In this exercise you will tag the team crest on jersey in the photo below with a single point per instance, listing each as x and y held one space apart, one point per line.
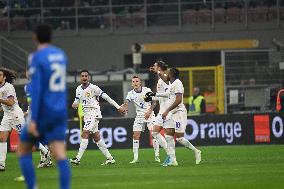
87 94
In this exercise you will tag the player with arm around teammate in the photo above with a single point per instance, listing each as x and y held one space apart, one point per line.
137 95
178 113
88 94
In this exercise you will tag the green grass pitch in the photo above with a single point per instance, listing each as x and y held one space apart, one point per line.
228 167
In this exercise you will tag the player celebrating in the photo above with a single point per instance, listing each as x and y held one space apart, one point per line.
89 94
176 108
160 69
48 116
136 95
13 115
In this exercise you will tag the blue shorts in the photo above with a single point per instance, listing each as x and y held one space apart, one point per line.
48 133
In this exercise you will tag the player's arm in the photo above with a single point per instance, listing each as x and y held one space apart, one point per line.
177 101
9 101
76 100
150 110
112 102
36 95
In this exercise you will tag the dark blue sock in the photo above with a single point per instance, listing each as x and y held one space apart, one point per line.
28 171
64 173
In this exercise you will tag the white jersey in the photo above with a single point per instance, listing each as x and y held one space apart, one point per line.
14 111
89 97
162 87
176 88
138 99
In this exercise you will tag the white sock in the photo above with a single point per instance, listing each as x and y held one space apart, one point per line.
3 152
171 147
103 148
83 147
135 149
156 147
42 148
161 140
186 143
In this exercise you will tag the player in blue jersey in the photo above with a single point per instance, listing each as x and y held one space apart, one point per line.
48 116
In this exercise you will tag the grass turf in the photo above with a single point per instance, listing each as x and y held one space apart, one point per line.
230 167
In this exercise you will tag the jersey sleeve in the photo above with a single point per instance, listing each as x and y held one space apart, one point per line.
97 91
178 88
78 96
36 84
11 92
128 97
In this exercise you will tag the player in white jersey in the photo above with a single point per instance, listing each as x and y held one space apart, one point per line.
13 115
89 94
178 112
137 95
160 69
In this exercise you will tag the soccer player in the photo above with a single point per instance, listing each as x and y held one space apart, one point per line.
137 95
89 94
160 68
48 115
13 115
178 112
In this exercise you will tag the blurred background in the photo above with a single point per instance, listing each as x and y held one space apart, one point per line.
233 50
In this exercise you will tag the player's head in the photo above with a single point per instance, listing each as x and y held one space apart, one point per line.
42 34
84 76
160 66
173 73
7 75
136 82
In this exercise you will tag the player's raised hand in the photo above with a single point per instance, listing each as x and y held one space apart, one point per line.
75 105
32 129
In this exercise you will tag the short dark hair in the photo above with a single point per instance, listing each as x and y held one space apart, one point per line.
43 33
135 76
9 74
174 72
84 71
162 65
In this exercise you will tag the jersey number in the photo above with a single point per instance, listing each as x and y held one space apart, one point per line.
58 79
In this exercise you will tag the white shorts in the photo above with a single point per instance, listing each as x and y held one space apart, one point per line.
91 124
140 124
166 124
7 124
180 121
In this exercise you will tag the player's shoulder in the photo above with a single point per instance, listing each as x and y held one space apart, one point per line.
8 86
177 82
146 89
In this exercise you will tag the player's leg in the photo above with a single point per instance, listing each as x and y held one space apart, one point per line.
158 123
88 127
45 156
169 135
3 149
82 148
155 143
180 119
103 148
183 141
25 159
136 138
58 149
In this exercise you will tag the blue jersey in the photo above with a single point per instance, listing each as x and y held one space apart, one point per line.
48 86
